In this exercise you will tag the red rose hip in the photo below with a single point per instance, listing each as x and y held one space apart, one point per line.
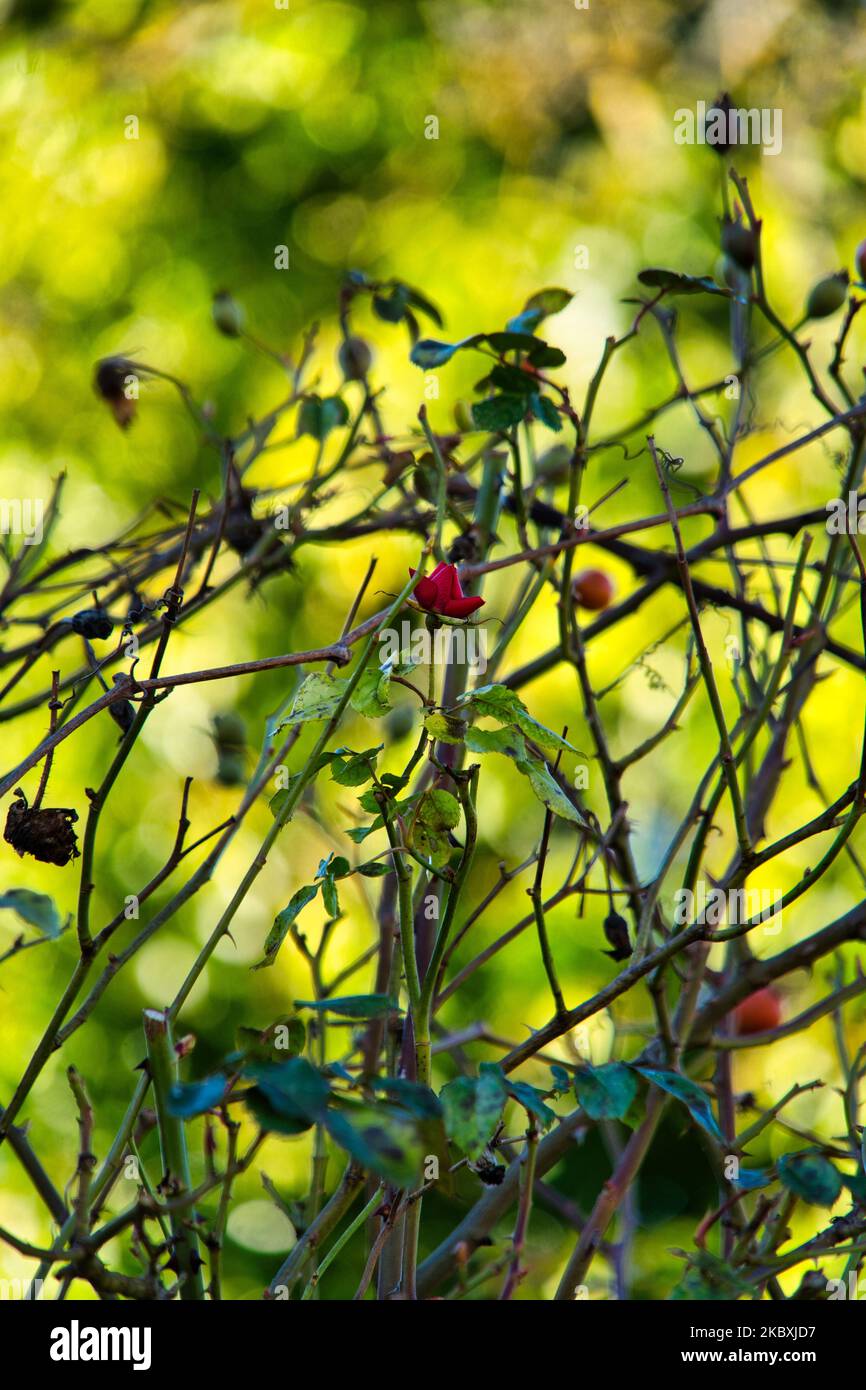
761 1012
592 589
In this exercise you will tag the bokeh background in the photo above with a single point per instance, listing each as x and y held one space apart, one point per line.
155 152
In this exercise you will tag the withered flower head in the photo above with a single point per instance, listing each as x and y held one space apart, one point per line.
92 623
228 316
116 381
47 834
616 932
718 117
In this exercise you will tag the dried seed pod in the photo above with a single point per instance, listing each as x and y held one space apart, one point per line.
123 712
616 933
488 1170
242 529
46 834
92 622
424 480
738 242
116 381
227 314
553 466
812 1287
355 358
717 125
827 295
229 734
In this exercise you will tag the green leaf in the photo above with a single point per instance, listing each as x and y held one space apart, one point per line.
335 866
379 1138
546 356
271 1119
359 833
752 1178
525 321
509 742
282 1039
317 698
606 1092
318 417
328 871
195 1097
472 1108
549 793
350 769
417 1099
391 307
420 301
426 1110
279 799
439 809
513 380
512 341
549 301
532 1101
437 812
445 728
499 412
674 283
288 1097
360 1006
810 1175
561 1079
370 696
545 411
540 306
283 921
504 705
36 909
330 896
690 1094
429 353
374 868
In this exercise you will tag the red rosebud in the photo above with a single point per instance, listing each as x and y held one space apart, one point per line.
440 592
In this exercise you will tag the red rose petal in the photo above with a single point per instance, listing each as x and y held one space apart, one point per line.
462 607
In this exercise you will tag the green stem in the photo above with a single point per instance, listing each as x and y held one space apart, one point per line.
162 1065
342 1240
